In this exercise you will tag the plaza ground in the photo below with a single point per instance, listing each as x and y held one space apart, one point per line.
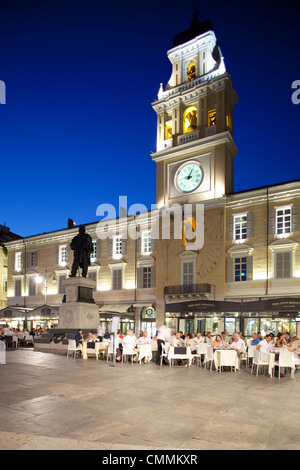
49 402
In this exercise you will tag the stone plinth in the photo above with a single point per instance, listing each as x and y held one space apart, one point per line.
79 309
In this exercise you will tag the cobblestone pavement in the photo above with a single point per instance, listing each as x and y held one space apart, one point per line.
50 402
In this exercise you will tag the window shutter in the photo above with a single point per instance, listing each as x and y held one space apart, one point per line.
139 278
67 253
153 241
295 218
22 260
98 248
57 255
124 246
111 244
230 228
272 222
230 269
249 268
249 225
139 244
18 286
153 276
28 260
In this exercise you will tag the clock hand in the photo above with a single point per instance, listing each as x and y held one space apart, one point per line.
190 175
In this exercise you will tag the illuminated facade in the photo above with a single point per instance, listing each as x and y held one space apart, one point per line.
246 276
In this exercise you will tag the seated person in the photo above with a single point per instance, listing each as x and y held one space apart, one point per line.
198 338
190 342
217 343
130 339
280 341
208 338
178 341
91 337
78 336
237 343
119 340
287 338
255 339
266 344
225 337
145 339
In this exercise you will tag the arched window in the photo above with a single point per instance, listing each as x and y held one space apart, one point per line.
190 120
191 71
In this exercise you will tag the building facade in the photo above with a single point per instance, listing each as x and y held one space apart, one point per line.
207 258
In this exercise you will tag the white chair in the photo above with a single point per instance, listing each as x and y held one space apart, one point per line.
202 351
128 350
164 352
209 357
250 354
111 350
92 351
28 339
72 348
257 361
2 352
286 361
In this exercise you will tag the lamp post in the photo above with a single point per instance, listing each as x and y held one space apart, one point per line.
45 277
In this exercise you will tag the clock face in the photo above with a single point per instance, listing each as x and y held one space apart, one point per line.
189 177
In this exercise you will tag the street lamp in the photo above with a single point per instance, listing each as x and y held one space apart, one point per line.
45 277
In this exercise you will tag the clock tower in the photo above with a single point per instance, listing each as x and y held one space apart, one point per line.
195 147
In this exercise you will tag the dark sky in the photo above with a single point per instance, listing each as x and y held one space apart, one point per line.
78 126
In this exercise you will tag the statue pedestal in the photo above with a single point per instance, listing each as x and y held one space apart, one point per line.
79 309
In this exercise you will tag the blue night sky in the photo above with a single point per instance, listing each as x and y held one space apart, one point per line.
78 126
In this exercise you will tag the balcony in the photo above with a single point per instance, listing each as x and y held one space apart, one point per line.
191 290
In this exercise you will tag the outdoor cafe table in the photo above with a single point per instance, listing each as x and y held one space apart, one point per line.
271 357
144 351
226 357
172 355
100 346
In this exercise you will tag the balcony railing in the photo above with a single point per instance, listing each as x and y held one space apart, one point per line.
188 289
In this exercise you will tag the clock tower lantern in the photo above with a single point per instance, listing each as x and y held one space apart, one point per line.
195 147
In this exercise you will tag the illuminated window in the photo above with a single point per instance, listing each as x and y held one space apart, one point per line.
240 227
191 71
212 117
18 261
117 247
146 242
190 120
94 252
168 132
62 256
283 220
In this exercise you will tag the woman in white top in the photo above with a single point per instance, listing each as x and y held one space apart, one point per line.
190 342
217 343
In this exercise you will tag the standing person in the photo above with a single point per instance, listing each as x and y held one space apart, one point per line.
163 335
101 331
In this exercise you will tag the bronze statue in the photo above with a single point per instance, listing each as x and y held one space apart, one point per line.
82 245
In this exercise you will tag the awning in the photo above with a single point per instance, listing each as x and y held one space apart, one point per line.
115 308
45 311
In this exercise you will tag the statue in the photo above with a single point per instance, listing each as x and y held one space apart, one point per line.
82 245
